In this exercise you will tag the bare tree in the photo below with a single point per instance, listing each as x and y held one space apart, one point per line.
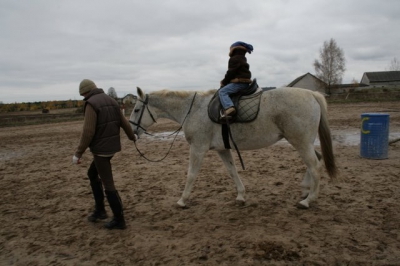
112 93
394 65
332 65
355 83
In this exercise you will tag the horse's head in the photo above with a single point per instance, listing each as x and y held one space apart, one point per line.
142 115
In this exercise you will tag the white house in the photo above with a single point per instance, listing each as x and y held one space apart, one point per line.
310 82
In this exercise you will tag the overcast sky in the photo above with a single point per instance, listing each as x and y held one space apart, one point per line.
47 47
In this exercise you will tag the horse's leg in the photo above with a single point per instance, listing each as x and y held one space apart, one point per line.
226 157
312 176
306 183
195 159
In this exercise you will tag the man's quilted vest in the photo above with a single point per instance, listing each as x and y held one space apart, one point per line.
106 140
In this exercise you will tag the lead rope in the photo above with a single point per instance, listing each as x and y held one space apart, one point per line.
176 131
159 160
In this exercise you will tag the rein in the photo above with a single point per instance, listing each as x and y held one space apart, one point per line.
145 105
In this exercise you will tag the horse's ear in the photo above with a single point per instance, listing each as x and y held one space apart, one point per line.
140 93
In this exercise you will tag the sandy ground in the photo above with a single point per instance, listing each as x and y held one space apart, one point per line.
45 201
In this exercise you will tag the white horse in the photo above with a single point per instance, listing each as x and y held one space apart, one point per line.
297 115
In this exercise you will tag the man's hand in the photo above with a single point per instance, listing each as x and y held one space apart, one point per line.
76 160
135 137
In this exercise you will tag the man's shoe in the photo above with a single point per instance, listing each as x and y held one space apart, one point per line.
97 215
116 224
118 221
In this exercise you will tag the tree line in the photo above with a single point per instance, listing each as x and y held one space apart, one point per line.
50 105
34 106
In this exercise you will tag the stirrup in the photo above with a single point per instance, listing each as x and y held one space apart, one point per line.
228 113
222 115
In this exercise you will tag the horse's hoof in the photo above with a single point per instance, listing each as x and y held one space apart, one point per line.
302 205
240 202
181 204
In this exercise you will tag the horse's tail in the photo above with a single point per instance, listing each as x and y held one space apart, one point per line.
325 137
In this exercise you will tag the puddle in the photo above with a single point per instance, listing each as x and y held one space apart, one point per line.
6 155
168 135
353 138
346 139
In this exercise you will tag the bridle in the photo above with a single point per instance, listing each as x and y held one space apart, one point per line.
145 106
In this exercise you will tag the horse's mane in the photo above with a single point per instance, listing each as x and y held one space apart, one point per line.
182 94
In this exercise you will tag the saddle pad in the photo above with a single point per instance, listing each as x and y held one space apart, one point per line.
247 108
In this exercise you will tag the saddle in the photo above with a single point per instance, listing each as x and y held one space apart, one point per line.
246 102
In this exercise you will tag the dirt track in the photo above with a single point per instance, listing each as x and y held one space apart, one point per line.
45 200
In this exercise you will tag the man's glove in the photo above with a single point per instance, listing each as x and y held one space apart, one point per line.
76 160
135 137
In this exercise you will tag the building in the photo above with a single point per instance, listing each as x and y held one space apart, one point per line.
310 82
382 78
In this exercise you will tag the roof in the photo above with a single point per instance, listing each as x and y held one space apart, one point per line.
291 84
383 76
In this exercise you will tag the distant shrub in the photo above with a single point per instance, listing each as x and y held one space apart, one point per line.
79 110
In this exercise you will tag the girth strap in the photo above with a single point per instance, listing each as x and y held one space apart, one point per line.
225 136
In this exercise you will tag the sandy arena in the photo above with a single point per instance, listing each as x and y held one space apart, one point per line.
45 201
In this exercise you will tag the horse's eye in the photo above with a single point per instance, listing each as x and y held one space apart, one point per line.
137 110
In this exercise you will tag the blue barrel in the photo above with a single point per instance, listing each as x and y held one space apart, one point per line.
374 136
